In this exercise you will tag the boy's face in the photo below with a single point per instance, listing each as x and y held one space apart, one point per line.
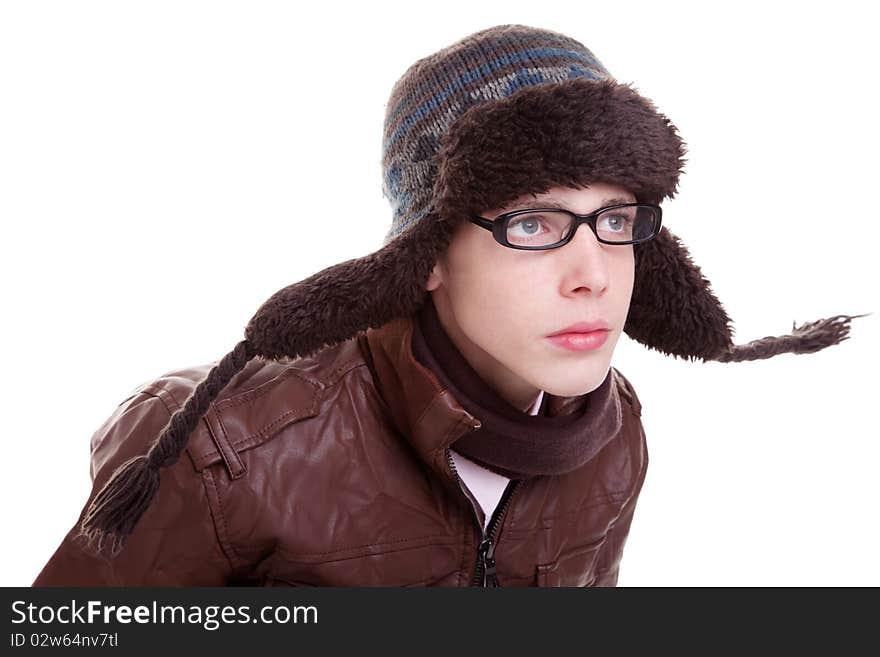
499 304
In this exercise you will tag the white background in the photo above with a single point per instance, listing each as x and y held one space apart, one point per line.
166 166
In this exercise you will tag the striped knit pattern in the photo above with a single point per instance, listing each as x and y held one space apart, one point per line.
436 90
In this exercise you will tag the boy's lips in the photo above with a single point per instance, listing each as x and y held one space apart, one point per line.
579 341
583 327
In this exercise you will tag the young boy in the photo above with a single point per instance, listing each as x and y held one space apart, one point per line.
443 411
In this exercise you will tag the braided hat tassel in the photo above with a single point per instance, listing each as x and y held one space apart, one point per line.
805 339
298 320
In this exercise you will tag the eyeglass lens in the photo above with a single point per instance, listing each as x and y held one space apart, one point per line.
549 227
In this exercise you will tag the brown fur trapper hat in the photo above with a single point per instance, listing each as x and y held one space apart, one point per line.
507 111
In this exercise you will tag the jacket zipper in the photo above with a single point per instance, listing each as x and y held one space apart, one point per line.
485 572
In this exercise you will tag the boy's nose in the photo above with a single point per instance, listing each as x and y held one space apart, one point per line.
585 261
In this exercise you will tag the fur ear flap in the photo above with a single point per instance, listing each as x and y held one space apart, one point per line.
343 299
673 308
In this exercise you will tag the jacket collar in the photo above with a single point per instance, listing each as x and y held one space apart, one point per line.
426 414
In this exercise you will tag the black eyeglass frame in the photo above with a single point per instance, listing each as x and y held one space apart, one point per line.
498 227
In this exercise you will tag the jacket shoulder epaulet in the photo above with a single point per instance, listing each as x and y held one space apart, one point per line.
627 391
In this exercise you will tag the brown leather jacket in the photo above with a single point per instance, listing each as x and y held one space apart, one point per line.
334 470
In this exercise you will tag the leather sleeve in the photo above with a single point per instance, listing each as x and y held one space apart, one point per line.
173 544
612 550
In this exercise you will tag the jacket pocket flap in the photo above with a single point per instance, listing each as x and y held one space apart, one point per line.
243 421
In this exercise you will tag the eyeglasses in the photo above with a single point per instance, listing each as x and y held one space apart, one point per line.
550 228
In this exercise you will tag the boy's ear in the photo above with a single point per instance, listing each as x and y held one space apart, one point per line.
435 278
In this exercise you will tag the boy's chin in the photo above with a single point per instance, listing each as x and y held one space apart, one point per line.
582 384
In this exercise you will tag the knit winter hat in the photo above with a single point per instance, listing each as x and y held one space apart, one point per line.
506 111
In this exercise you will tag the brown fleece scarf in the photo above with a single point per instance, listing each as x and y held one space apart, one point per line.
511 442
